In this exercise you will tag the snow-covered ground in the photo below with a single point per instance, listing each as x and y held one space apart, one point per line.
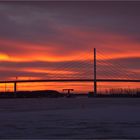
80 117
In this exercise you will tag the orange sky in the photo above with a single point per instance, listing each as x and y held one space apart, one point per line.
56 40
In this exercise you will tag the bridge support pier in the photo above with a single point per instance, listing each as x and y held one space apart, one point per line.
15 88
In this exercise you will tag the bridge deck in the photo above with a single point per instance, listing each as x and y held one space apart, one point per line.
70 80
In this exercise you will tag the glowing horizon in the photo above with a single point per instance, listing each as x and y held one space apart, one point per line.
56 39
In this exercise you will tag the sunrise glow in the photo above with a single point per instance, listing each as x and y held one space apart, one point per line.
48 42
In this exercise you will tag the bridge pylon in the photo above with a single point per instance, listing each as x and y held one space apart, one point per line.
95 73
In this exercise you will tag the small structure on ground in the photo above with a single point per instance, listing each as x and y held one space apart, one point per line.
68 92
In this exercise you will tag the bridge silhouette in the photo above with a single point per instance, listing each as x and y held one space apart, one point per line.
95 80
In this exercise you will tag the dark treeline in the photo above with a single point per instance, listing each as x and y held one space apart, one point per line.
123 91
120 92
32 94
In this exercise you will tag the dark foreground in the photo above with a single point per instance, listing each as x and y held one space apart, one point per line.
79 117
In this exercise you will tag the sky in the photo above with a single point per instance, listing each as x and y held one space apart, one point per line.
40 40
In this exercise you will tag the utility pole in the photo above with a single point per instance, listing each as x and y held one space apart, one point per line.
95 73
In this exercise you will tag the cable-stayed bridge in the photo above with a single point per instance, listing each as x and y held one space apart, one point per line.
98 68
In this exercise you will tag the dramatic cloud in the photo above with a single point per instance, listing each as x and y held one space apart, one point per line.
56 39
